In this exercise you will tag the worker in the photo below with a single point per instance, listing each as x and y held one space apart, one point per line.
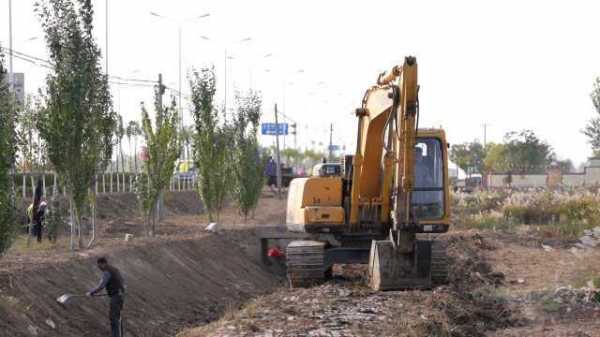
113 282
271 173
36 221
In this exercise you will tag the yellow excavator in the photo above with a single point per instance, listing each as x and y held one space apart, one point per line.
385 207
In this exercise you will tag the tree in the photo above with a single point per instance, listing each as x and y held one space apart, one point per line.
7 159
29 144
592 129
525 153
77 120
133 131
566 165
212 144
248 168
292 155
162 142
119 134
495 158
469 157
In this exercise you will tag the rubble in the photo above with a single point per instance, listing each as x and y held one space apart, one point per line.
589 239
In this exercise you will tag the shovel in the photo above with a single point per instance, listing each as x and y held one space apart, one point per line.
64 299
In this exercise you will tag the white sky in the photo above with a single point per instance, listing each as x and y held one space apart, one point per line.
511 64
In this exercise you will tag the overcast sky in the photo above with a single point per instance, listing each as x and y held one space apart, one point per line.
510 64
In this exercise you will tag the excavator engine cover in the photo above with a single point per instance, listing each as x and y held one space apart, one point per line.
391 269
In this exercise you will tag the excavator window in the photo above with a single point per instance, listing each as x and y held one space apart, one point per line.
428 194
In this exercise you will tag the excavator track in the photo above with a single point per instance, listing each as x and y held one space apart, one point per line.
305 263
439 263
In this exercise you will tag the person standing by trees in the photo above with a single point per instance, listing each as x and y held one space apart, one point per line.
271 173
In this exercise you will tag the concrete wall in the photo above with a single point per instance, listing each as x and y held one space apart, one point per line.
590 177
573 180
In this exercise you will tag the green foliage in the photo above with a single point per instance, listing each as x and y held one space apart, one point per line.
248 166
7 158
293 156
468 156
212 144
77 121
119 134
495 158
162 141
31 149
526 153
592 129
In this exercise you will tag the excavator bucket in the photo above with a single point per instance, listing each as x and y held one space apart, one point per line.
390 269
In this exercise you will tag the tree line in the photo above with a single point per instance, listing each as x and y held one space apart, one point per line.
521 152
73 129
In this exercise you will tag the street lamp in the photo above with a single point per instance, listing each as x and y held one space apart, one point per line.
179 24
10 47
227 57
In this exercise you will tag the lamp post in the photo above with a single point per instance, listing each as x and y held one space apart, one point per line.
179 24
10 48
225 58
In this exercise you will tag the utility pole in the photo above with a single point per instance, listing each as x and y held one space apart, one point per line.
331 142
10 49
485 125
225 91
180 108
278 155
107 40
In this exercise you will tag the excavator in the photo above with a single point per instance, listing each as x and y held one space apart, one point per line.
384 207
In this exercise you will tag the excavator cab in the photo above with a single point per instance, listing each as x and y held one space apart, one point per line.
430 194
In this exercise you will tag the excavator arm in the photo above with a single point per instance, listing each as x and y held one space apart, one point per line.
386 127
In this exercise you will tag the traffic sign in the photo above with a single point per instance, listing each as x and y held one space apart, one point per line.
334 147
272 129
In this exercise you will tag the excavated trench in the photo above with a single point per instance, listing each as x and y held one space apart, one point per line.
170 285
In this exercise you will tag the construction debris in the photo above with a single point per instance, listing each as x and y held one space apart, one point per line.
589 239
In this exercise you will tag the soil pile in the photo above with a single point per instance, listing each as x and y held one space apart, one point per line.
470 306
170 285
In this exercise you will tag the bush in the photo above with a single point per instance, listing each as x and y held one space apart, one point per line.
567 214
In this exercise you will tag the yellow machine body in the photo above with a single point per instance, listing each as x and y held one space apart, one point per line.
316 202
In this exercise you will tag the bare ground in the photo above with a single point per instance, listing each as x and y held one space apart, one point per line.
503 284
183 277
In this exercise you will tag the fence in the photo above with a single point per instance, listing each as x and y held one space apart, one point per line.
105 183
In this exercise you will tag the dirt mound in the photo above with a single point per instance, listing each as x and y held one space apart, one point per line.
470 307
170 285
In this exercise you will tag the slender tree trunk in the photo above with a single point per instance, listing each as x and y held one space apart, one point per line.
72 221
130 163
93 219
78 219
122 159
135 154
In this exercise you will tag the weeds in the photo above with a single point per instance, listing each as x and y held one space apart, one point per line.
565 214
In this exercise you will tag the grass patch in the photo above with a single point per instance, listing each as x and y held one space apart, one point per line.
20 245
550 306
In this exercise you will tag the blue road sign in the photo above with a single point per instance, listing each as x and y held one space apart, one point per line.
334 147
272 129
